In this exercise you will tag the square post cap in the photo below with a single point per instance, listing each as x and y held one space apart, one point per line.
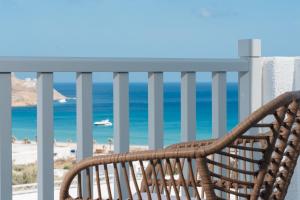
249 48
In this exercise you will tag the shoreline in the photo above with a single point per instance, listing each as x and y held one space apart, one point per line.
26 153
59 101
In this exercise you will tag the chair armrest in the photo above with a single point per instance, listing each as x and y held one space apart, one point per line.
160 162
192 144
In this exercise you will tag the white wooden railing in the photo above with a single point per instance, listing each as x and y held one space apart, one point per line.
248 67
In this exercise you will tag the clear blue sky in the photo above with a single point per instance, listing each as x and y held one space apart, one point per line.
140 28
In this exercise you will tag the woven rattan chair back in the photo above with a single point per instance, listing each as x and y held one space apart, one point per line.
255 160
260 161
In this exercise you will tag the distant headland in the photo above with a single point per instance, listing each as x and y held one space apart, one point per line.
24 92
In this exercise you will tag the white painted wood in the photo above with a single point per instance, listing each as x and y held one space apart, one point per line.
244 95
256 72
121 120
84 117
155 110
121 112
188 113
249 47
52 64
219 109
219 97
250 50
188 106
45 136
250 83
244 99
5 137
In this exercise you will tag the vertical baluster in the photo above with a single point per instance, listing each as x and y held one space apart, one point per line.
127 180
219 120
155 180
98 181
155 110
117 182
188 106
135 180
121 113
173 182
193 178
108 182
219 126
84 122
244 95
163 178
45 136
79 186
5 137
188 112
145 180
121 119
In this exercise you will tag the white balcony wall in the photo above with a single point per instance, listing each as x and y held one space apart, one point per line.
297 74
281 74
278 76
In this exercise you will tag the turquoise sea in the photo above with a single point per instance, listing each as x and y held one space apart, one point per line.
24 119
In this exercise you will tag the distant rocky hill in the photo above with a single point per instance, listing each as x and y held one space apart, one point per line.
24 92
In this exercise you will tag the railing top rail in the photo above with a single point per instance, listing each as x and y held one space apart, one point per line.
76 64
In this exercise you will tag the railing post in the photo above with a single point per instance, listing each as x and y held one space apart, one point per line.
45 136
84 117
5 137
250 82
121 121
155 110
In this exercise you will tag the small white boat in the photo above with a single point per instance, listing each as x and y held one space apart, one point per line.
104 122
62 101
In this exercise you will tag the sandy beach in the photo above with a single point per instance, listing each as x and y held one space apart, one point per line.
27 153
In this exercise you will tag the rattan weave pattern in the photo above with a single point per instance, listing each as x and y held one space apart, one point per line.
255 160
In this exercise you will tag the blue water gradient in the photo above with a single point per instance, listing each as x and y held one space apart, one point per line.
24 119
